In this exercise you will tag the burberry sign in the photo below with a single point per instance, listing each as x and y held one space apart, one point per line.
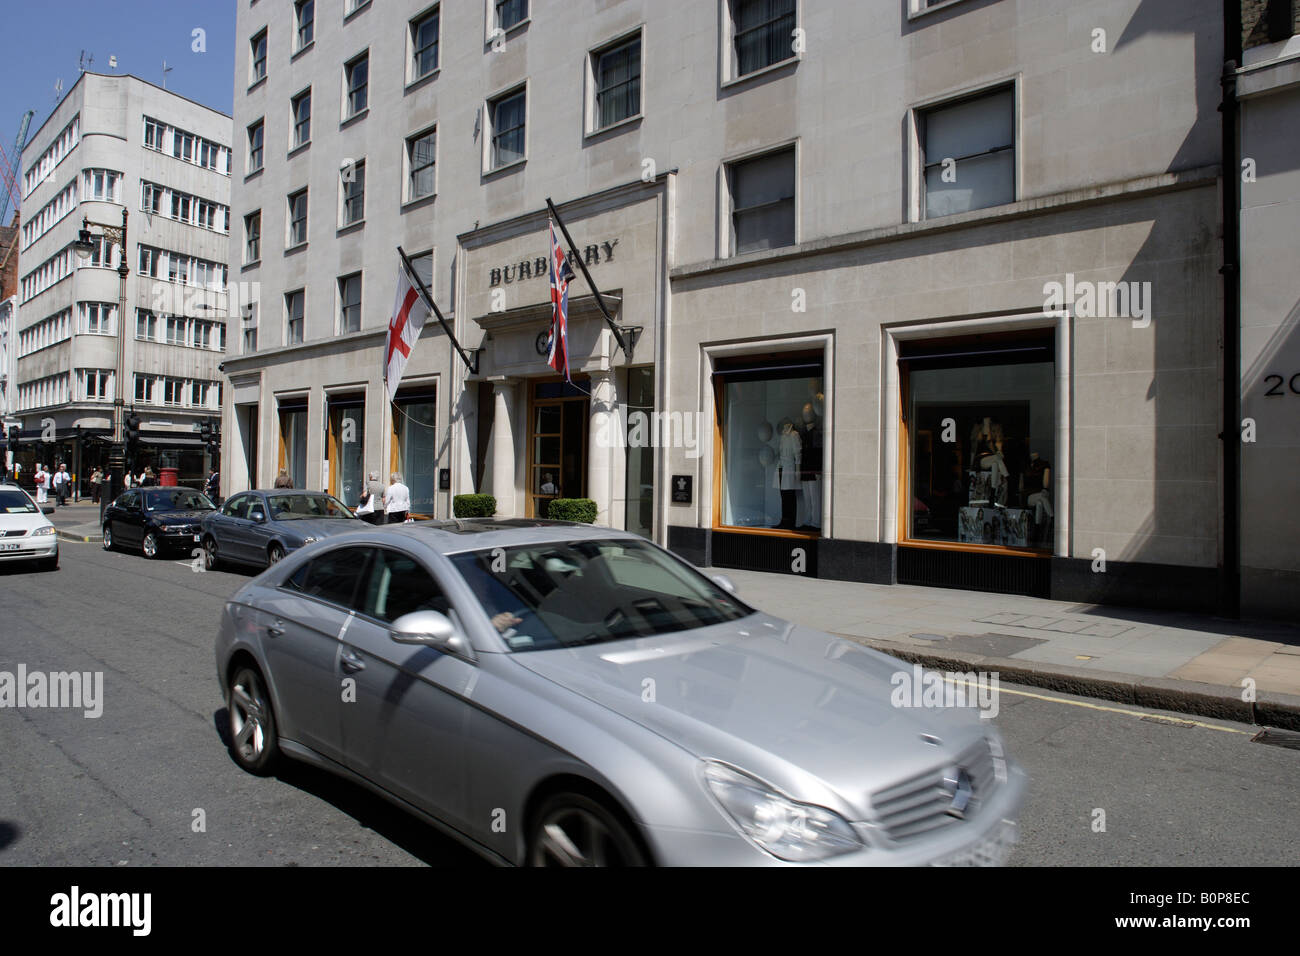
592 255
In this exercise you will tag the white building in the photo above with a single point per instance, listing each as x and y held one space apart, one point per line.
967 249
118 145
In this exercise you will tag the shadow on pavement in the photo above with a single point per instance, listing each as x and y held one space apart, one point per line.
369 810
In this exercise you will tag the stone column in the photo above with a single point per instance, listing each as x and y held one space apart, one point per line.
503 446
602 445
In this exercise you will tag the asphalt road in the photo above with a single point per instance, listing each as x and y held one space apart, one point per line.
123 789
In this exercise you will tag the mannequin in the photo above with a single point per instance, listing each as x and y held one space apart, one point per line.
986 455
789 452
810 472
1036 482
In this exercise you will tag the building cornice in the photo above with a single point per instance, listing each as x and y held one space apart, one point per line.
1141 187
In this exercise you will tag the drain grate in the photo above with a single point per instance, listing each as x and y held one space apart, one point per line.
1278 738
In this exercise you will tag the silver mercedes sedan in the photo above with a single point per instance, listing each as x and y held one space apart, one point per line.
555 694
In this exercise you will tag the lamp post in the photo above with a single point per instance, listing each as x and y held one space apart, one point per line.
83 247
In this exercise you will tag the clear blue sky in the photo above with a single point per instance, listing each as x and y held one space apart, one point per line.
43 40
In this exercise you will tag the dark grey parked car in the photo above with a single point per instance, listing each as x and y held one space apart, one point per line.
557 694
259 528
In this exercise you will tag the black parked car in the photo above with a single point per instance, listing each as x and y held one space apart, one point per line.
259 528
156 519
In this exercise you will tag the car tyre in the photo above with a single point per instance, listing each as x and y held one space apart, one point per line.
108 537
49 564
149 545
571 829
210 560
274 554
253 737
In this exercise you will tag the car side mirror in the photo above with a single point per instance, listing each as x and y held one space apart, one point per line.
257 515
432 629
724 582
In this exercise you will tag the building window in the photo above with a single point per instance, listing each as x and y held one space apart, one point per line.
969 154
301 107
617 72
199 394
770 412
97 318
305 16
253 236
153 133
357 79
255 134
350 303
415 446
640 471
144 388
177 330
103 253
294 303
146 325
763 33
420 150
173 391
989 479
293 441
250 339
424 44
207 335
762 202
151 197
353 182
102 185
257 68
510 13
298 218
98 384
507 117
346 447
148 262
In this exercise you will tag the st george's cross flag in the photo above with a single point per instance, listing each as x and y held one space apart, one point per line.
561 272
409 312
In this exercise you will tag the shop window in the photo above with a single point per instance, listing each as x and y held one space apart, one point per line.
415 448
979 424
347 442
293 442
771 410
640 453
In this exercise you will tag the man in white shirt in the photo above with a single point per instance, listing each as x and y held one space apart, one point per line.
397 500
62 482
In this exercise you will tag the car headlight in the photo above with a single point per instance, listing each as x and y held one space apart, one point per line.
40 531
789 830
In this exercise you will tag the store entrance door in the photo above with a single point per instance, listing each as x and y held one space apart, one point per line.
558 414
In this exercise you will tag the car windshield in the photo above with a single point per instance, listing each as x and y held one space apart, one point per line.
14 502
293 507
176 499
591 592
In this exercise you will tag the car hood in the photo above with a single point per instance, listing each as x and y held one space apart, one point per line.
796 707
23 522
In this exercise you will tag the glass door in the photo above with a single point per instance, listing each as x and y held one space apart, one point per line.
557 442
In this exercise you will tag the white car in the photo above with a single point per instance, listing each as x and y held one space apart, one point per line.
25 533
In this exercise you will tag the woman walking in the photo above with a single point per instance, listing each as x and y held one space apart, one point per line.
397 500
96 480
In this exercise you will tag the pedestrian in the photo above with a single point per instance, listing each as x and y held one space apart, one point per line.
62 484
147 479
42 481
397 500
96 481
213 487
372 499
282 480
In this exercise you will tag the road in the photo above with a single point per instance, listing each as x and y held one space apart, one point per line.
126 788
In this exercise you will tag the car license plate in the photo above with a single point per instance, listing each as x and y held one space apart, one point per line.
991 850
196 537
10 547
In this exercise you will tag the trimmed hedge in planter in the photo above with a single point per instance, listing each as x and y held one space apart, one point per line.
474 506
572 509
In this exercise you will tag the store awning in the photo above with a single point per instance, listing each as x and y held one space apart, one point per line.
172 441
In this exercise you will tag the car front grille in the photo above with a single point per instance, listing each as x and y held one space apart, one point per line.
13 534
182 529
920 804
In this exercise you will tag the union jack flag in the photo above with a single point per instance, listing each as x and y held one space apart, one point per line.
560 272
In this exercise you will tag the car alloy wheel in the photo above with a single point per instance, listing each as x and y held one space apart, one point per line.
149 545
253 741
573 830
108 538
274 554
210 559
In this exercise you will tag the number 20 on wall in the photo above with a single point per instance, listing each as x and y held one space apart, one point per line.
1277 380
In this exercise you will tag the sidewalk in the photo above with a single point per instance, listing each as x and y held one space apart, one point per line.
1158 659
79 522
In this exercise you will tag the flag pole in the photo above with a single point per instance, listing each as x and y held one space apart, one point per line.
618 336
428 299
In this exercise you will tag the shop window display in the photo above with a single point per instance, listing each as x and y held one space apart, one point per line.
773 444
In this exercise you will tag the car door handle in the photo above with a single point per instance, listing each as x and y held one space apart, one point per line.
351 663
276 629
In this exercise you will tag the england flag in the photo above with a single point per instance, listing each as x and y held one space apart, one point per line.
561 273
409 313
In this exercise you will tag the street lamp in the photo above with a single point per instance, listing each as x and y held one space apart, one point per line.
83 247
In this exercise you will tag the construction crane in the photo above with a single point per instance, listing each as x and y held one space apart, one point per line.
9 170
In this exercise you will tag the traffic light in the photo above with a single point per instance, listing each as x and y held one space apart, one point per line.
213 436
132 428
15 435
205 431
